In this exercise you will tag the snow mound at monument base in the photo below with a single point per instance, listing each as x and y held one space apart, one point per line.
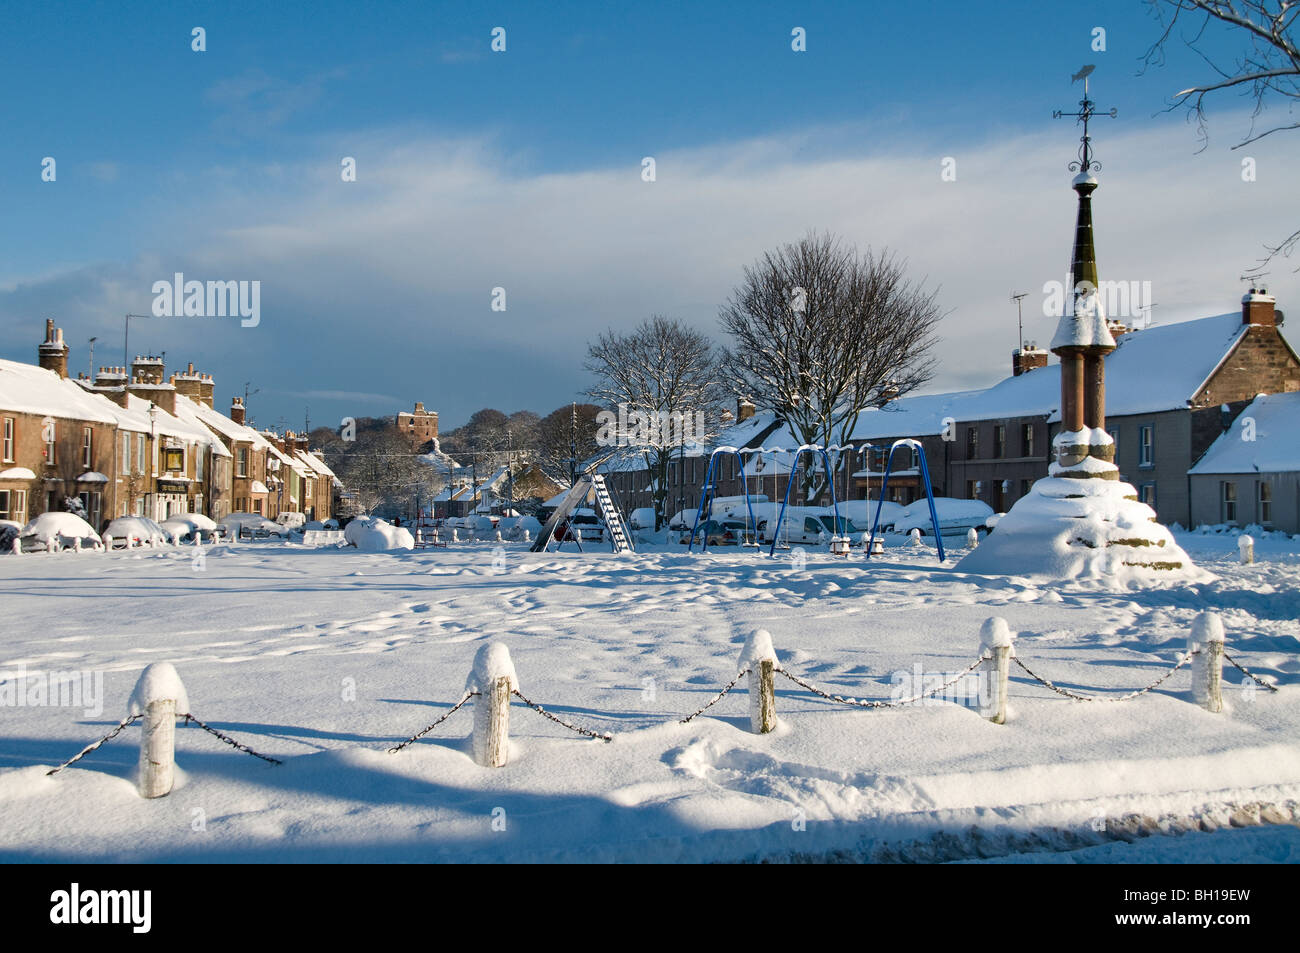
1068 528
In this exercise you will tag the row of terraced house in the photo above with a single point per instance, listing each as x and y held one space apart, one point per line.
131 441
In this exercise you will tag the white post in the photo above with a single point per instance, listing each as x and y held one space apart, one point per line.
499 536
528 537
455 537
915 537
996 641
76 544
18 546
158 696
972 538
1206 640
493 677
760 658
1246 548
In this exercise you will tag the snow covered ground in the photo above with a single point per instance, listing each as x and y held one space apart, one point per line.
325 658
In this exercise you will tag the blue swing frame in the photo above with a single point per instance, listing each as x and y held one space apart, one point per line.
929 493
830 481
704 497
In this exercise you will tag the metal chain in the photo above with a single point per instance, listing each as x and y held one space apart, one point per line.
717 698
880 703
89 748
1255 678
447 714
1103 698
190 719
604 736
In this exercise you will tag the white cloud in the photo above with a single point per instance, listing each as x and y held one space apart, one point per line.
394 273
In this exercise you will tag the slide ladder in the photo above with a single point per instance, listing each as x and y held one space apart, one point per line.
619 536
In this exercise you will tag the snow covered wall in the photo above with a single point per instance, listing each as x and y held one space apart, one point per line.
1067 528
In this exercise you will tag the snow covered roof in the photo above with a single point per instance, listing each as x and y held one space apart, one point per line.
1270 419
226 427
285 459
1150 370
314 462
188 411
29 389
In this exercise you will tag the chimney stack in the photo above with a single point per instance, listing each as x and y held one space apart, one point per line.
206 385
744 409
1258 307
237 409
189 383
53 352
1028 358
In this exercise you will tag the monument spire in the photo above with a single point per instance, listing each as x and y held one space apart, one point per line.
1082 338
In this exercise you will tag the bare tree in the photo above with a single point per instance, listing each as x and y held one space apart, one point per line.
1269 67
568 432
820 333
660 387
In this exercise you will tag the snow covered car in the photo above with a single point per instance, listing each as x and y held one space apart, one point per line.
372 535
291 519
643 517
714 533
9 531
251 524
186 527
955 516
127 532
802 524
55 531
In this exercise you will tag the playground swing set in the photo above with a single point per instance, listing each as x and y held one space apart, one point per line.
839 540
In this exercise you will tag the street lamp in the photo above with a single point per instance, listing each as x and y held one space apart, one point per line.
153 456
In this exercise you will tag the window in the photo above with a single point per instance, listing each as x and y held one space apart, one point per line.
1228 497
198 463
972 490
1027 440
87 448
1025 487
51 434
139 457
1264 502
1146 446
972 443
1000 440
124 465
1147 494
9 440
242 458
4 505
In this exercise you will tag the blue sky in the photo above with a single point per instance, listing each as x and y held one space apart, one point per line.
521 169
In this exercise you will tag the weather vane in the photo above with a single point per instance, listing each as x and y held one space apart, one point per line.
1086 111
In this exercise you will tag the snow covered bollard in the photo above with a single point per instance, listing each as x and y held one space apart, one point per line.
1206 644
915 537
158 696
1246 548
972 538
760 658
493 677
997 644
